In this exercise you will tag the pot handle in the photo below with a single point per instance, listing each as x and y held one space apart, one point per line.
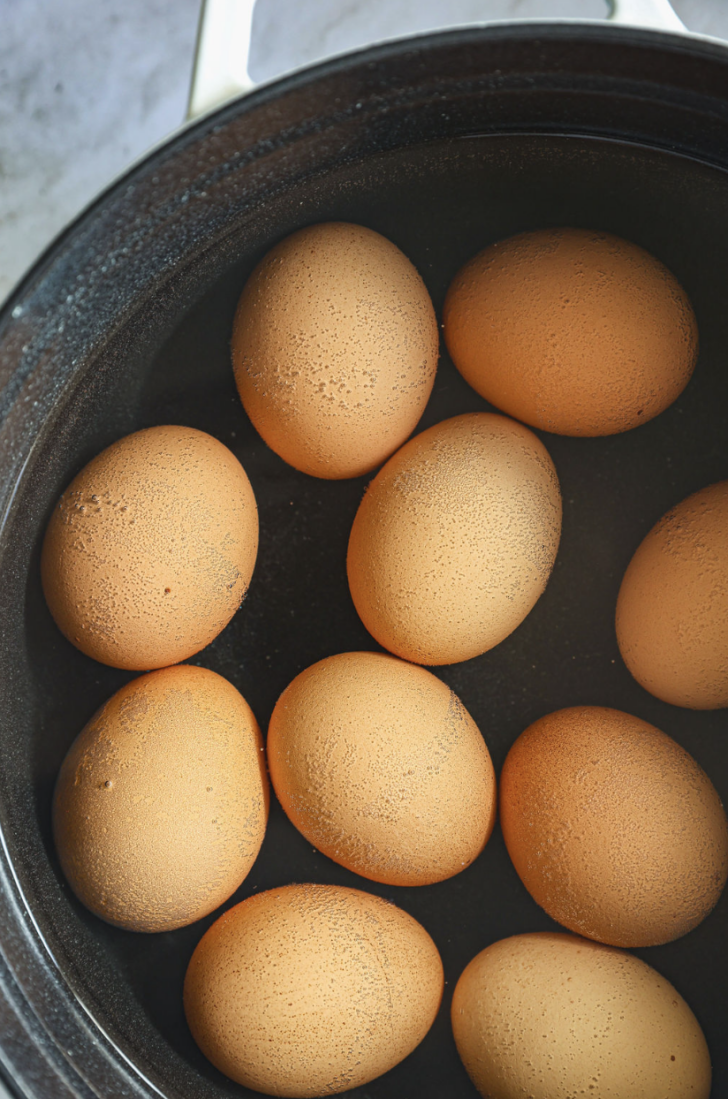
658 14
220 69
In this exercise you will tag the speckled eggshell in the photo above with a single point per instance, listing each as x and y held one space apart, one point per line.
613 828
334 348
161 804
380 766
151 548
310 990
553 1016
455 539
572 331
672 610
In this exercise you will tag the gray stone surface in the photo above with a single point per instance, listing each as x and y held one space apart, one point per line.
86 86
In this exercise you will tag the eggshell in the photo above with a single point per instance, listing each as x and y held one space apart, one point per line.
310 990
613 828
161 803
672 610
555 1017
382 768
455 539
151 548
334 348
571 330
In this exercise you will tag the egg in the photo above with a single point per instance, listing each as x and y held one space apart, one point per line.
672 610
151 548
161 803
380 766
455 539
334 349
613 828
310 990
571 330
552 1016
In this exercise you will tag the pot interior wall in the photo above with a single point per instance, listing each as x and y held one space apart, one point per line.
440 203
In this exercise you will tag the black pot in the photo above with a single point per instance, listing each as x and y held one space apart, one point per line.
444 144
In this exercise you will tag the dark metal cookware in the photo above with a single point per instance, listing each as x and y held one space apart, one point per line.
443 144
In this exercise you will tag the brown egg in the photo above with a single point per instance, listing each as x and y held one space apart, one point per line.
455 539
151 548
672 610
382 768
334 348
556 1017
162 801
613 828
571 330
310 990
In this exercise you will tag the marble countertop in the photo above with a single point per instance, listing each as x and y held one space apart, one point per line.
86 86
